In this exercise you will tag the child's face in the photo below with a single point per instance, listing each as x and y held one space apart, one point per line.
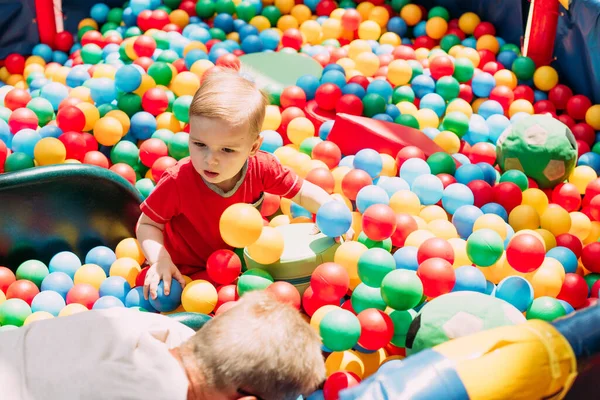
218 151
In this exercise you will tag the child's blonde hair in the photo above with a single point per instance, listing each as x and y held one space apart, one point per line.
261 345
229 97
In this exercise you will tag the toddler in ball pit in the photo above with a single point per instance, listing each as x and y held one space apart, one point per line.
259 349
179 226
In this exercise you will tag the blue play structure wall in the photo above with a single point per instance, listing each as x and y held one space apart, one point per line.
576 49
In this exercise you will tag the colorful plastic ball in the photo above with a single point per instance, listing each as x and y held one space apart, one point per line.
545 308
66 262
330 281
574 290
199 296
84 294
115 286
373 265
469 278
377 329
485 247
32 270
565 256
223 266
435 248
545 78
516 291
48 301
14 312
253 279
334 219
285 292
107 302
370 195
339 330
370 161
170 302
268 248
58 282
525 253
379 222
240 225
428 188
401 289
337 382
437 276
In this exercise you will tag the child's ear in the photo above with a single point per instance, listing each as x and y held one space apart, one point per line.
256 145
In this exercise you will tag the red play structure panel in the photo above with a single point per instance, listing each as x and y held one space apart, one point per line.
352 134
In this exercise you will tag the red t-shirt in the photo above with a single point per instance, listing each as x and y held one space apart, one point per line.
191 209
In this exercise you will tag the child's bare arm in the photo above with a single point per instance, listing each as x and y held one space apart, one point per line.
311 197
150 236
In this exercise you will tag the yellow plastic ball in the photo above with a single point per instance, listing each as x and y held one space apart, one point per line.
421 223
520 105
104 71
131 248
179 18
592 116
300 129
287 22
338 174
545 78
507 78
33 60
49 151
194 45
524 217
369 30
312 31
422 53
272 118
436 27
405 201
108 131
344 361
199 67
122 117
125 267
488 42
468 22
364 9
427 118
471 54
147 84
91 274
581 226
493 222
367 63
240 225
380 15
555 220
71 309
546 280
268 248
460 252
167 120
399 72
185 83
389 165
82 93
332 29
407 107
548 237
592 237
460 105
92 115
443 229
337 13
31 68
37 316
411 14
535 198
279 221
418 237
390 38
347 255
321 312
260 22
357 47
199 296
432 213
301 13
581 177
448 141
88 22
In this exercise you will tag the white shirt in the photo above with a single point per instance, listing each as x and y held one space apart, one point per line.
109 354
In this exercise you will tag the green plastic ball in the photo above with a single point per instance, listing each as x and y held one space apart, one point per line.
511 47
14 312
181 108
179 145
108 26
463 69
83 31
168 56
595 148
104 109
439 11
245 11
449 41
161 73
375 244
309 144
162 43
485 247
590 279
145 186
373 265
403 93
441 163
205 9
91 53
373 104
417 68
524 68
364 297
32 270
115 15
456 122
125 152
545 308
130 103
140 170
401 289
43 109
332 42
397 5
447 87
345 4
164 134
225 6
340 330
164 8
253 279
272 13
517 177
407 120
401 321
217 33
274 91
132 31
5 113
18 161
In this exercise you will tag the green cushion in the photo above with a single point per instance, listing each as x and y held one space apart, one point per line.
302 253
281 69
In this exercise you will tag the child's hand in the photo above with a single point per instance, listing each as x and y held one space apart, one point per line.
349 235
164 270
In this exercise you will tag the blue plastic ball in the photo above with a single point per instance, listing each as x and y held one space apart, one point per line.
464 218
135 298
392 110
66 262
468 173
369 195
309 84
489 108
333 76
383 117
393 184
224 22
516 291
347 161
48 301
334 219
252 44
398 26
270 39
590 159
50 131
406 258
483 84
568 308
194 55
25 140
435 102
58 282
128 78
455 196
54 92
565 256
507 58
382 88
143 125
369 161
103 90
116 286
324 130
469 278
413 168
99 12
107 302
164 303
42 50
423 85
478 129
495 208
272 140
490 175
429 188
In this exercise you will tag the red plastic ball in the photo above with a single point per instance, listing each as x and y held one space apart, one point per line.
288 114
503 95
69 101
159 19
483 152
405 225
144 62
161 165
353 181
594 208
351 20
577 106
379 222
567 120
84 294
226 294
524 92
582 148
437 276
377 329
155 101
584 132
141 277
325 7
349 104
441 66
492 67
63 41
270 204
465 92
144 46
571 242
323 178
285 292
590 257
485 56
93 37
189 6
16 98
330 281
7 277
508 195
525 253
327 152
293 96
446 179
337 382
455 30
311 301
567 196
591 190
15 63
574 290
322 58
484 28
327 96
151 150
223 266
435 248
559 95
22 289
407 153
361 80
4 153
126 171
22 118
425 42
75 145
70 118
483 193
292 38
544 106
404 52
96 158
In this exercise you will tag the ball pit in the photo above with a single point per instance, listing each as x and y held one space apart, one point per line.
472 216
